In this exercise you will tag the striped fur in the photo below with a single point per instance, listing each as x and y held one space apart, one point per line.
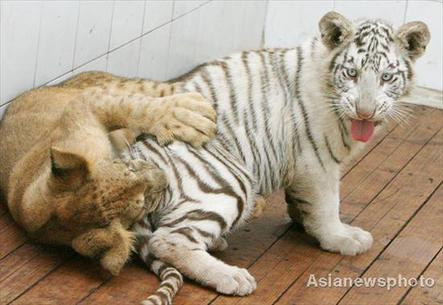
283 121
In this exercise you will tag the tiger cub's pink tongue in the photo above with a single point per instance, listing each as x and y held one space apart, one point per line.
362 130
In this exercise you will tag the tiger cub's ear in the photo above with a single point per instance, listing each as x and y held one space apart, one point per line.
335 30
413 38
69 170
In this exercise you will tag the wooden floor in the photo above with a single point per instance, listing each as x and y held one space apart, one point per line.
395 191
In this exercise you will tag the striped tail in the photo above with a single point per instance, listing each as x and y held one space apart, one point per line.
171 281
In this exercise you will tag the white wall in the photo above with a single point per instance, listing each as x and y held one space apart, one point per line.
291 22
43 42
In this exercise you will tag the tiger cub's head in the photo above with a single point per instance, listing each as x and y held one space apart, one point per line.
370 68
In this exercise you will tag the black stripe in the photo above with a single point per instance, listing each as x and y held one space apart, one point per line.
207 79
245 61
231 132
331 153
313 45
410 71
149 146
252 145
168 285
276 68
284 72
199 215
342 127
302 106
204 233
198 88
155 299
163 297
290 198
231 159
162 268
226 188
203 186
264 103
174 168
176 275
186 232
232 95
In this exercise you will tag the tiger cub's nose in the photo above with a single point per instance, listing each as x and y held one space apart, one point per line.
365 111
364 114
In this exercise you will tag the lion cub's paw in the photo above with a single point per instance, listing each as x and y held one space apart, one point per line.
154 177
113 244
189 118
259 208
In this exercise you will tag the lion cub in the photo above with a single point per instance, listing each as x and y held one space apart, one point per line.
62 176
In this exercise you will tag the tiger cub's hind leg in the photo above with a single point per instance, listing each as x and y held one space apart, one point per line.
180 248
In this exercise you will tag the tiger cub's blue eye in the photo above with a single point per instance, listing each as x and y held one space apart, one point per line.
352 72
386 77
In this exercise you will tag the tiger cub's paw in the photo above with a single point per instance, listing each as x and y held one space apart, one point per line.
349 240
236 281
188 117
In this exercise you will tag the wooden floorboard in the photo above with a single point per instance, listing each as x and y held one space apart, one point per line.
432 294
412 250
393 190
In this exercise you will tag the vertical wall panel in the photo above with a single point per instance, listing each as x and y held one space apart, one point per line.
98 64
20 21
57 39
154 54
219 36
215 36
94 27
206 33
429 68
182 44
61 78
95 65
250 31
182 7
289 23
127 22
393 10
157 12
124 60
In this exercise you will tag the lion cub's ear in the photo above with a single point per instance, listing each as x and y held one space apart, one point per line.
70 170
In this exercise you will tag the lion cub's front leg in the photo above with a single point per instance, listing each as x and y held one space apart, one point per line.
112 244
186 116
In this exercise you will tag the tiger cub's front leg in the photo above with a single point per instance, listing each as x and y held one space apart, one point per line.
314 200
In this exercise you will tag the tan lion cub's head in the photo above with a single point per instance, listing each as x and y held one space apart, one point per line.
95 204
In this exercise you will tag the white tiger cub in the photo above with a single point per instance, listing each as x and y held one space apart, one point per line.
286 118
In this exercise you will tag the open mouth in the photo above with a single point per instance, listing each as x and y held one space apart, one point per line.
362 130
